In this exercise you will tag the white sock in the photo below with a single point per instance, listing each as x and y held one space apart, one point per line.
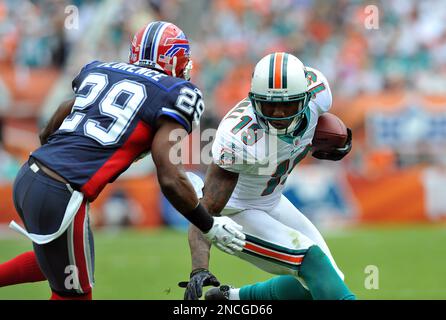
233 294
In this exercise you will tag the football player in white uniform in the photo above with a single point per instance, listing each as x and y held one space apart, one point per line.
257 145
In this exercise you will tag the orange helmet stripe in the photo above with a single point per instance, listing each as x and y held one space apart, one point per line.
278 70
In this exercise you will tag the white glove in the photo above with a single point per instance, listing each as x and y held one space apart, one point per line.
226 235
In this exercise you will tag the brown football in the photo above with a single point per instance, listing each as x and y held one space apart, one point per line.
330 132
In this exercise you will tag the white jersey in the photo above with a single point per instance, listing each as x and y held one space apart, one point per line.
264 161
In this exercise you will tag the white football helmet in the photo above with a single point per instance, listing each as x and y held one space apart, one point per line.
279 77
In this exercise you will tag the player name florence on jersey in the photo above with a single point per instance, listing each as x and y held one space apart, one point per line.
264 161
113 120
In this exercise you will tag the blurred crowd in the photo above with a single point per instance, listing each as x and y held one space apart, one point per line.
32 34
407 50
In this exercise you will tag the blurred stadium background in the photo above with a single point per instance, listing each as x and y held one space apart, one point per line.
382 206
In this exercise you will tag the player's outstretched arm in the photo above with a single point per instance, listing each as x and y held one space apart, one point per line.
222 231
56 120
173 182
218 187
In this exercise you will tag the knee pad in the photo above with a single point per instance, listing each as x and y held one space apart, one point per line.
314 260
321 277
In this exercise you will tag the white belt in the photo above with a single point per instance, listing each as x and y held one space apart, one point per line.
72 208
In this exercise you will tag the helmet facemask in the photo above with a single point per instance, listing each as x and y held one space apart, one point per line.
300 101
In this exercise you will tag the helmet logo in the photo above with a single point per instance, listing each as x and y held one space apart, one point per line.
176 45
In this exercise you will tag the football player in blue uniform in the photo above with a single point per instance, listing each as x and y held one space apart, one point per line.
120 112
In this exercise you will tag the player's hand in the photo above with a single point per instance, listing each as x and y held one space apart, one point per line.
226 235
335 154
199 278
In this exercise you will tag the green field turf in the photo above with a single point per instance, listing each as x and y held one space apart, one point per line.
149 264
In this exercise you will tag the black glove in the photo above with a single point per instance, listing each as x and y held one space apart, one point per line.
198 279
335 154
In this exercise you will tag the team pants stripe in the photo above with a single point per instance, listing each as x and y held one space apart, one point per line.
282 255
77 248
87 246
274 255
272 260
274 246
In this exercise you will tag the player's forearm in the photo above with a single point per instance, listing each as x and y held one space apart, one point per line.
199 249
177 189
173 182
218 187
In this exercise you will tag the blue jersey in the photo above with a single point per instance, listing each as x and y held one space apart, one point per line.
113 121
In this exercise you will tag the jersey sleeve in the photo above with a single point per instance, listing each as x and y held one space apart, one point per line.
183 103
320 89
75 84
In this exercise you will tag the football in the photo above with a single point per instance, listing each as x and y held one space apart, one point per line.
330 132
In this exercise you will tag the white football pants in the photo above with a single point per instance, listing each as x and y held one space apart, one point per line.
276 241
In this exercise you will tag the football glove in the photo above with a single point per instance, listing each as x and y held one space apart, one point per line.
226 235
198 279
335 154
